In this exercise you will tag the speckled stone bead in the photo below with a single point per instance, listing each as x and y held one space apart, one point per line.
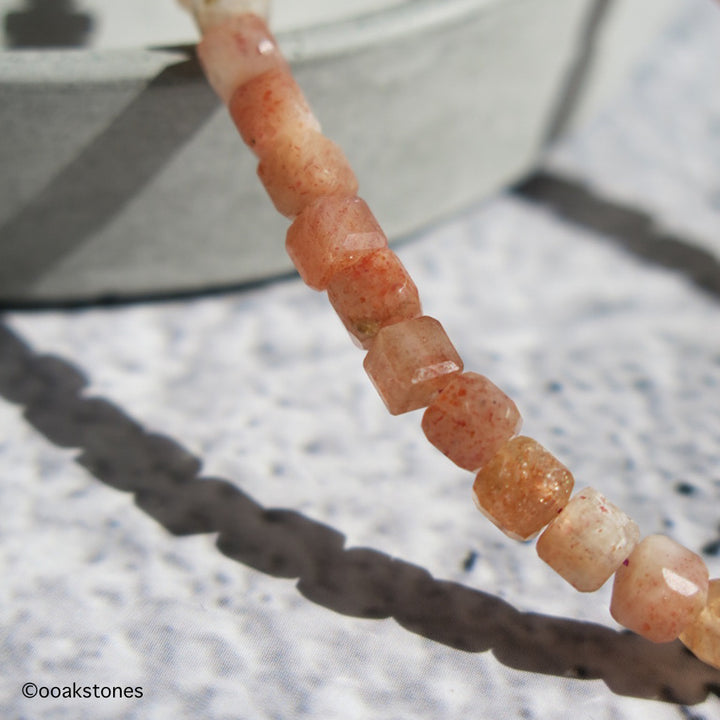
269 106
586 543
410 362
236 50
470 420
660 589
373 292
297 171
522 488
330 235
702 636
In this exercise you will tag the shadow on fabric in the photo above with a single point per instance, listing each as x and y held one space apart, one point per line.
167 484
631 229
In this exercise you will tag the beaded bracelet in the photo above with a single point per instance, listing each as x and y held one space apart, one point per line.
661 589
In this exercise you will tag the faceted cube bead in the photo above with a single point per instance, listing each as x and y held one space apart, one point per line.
268 106
373 292
236 50
660 589
586 543
522 488
298 170
702 636
410 362
330 235
470 420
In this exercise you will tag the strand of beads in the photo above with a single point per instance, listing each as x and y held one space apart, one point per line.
661 589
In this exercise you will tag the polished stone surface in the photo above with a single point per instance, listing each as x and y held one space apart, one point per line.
268 106
522 488
470 420
660 589
296 171
332 234
373 292
588 541
410 362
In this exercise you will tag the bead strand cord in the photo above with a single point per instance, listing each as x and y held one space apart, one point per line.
661 589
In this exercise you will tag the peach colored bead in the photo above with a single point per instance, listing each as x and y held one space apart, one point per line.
702 636
660 589
470 420
410 362
268 106
522 488
331 234
587 542
297 171
373 292
237 50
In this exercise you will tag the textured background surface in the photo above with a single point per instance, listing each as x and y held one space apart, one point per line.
206 498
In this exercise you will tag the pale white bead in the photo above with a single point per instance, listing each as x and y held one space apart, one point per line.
588 540
209 13
236 51
660 589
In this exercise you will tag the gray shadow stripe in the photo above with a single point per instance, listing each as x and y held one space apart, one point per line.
572 91
631 229
106 175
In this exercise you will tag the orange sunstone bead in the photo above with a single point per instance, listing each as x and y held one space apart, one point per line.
702 636
236 50
470 420
268 106
373 292
298 170
586 543
660 589
410 362
330 235
522 488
